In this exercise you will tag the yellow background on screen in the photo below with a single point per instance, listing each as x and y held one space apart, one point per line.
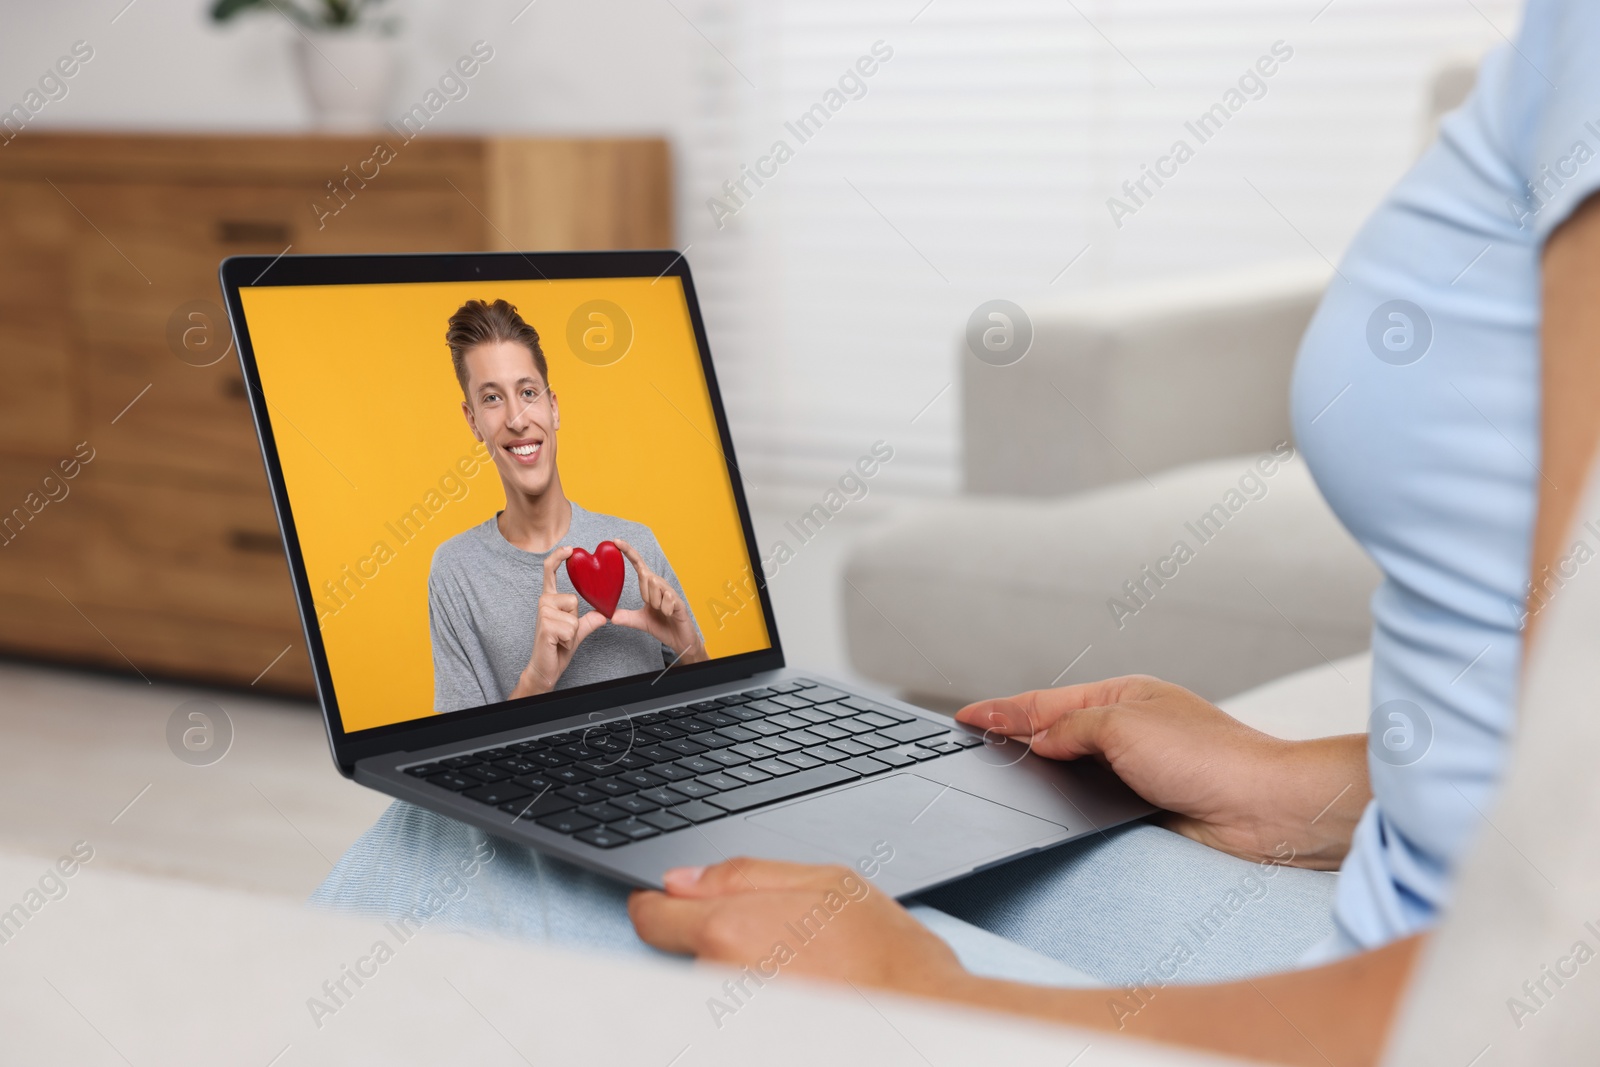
367 416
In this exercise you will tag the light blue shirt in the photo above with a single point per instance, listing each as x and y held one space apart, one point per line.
1420 423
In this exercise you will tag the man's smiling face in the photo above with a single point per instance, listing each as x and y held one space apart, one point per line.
511 409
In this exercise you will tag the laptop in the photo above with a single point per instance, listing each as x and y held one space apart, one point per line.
534 601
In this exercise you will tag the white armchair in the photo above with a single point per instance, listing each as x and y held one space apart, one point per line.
1137 413
1137 379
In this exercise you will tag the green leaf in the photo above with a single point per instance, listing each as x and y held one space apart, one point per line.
223 10
338 13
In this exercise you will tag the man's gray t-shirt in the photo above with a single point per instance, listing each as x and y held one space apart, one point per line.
483 606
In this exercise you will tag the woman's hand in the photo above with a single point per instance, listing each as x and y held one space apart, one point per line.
826 922
556 634
774 917
1227 785
664 615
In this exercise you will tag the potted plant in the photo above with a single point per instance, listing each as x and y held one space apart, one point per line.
345 53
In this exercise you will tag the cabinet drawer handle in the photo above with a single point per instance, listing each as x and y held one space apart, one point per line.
252 232
258 541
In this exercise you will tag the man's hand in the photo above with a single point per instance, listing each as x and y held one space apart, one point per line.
557 633
1227 785
821 921
664 615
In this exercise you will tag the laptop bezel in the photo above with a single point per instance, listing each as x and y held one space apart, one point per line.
430 731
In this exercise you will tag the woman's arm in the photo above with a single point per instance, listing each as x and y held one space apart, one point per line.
1339 1013
1570 422
742 911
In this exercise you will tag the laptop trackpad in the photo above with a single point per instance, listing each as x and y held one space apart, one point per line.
933 828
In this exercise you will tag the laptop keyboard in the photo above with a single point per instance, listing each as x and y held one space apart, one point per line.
638 777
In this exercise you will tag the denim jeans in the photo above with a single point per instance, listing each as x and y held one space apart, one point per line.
1134 905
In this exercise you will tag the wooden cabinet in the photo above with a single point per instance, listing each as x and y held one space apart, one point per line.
160 555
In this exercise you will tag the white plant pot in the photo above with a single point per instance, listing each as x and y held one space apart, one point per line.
348 77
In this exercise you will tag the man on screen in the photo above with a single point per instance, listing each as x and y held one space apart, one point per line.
504 620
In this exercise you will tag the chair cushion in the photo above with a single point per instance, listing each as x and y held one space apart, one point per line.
1176 371
1321 701
979 595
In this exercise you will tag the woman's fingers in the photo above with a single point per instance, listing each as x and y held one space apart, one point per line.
1075 734
1062 724
1003 715
672 924
1037 710
725 929
1068 734
1020 716
730 910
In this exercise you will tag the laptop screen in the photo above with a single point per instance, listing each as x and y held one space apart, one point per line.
444 444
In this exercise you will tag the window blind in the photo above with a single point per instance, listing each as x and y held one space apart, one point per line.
980 160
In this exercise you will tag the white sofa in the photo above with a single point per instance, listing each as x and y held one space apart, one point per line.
1131 418
130 969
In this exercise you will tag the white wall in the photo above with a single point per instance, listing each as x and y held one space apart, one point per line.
977 166
602 65
980 162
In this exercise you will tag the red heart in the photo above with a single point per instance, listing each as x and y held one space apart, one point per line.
597 577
